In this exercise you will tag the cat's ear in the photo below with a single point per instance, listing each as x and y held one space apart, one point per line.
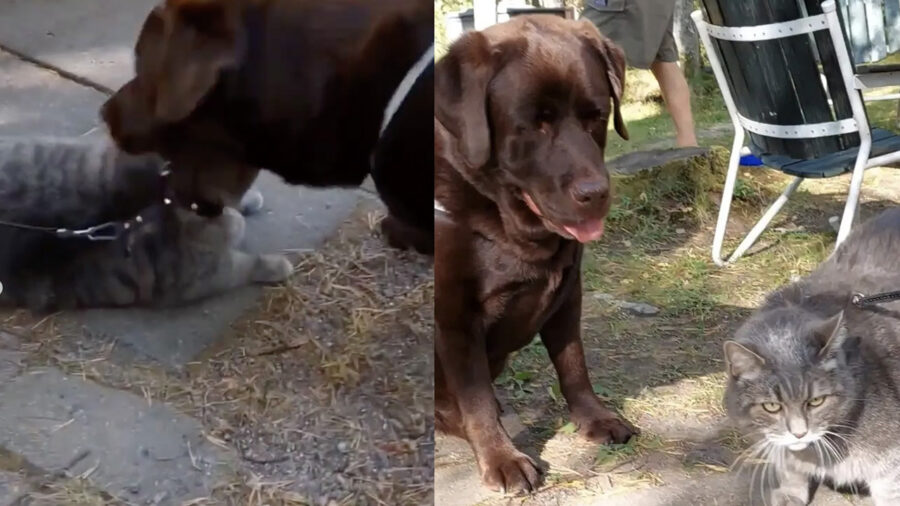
830 335
742 362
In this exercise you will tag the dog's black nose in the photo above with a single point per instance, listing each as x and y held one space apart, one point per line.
590 191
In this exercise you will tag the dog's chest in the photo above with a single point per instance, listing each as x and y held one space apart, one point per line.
523 305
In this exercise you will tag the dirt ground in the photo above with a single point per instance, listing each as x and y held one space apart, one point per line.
324 391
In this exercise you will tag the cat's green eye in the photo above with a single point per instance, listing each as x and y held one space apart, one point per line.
816 401
771 407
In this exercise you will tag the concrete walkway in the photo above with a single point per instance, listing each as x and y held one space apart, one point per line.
56 60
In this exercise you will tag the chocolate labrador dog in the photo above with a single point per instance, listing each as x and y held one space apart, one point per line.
321 92
521 114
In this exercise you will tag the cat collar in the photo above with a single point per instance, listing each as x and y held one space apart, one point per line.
861 301
109 231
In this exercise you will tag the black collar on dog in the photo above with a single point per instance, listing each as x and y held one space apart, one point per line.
412 76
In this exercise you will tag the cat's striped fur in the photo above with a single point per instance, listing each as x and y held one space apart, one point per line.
173 257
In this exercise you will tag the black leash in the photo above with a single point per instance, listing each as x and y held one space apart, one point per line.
860 300
109 231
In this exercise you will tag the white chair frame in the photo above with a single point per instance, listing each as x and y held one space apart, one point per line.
857 123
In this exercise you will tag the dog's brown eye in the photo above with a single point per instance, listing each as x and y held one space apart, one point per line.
592 114
545 115
591 118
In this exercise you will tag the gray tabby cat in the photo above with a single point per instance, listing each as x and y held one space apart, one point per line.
173 256
817 380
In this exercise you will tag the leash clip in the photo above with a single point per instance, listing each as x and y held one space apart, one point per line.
860 300
108 231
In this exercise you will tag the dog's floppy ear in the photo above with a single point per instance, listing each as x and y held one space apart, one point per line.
184 45
614 60
461 84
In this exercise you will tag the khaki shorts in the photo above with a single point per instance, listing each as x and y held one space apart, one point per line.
642 28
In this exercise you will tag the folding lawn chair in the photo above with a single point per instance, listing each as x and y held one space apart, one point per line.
790 84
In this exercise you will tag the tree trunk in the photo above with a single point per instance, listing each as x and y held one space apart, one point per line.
686 37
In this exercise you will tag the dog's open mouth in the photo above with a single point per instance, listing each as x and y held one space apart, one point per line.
583 231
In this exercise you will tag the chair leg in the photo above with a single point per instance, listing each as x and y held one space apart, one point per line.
727 193
763 222
725 208
856 180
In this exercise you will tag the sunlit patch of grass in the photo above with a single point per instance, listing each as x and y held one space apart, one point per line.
699 396
679 285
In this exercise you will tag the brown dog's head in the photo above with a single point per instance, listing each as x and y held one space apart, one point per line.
181 50
526 104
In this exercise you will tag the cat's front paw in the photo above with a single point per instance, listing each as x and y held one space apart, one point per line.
272 269
251 203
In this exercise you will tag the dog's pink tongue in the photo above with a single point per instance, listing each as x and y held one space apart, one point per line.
586 231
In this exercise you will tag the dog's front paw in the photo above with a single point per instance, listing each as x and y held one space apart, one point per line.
602 425
510 472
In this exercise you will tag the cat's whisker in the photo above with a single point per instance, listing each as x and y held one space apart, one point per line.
841 426
837 435
819 453
752 451
839 453
756 469
747 455
764 468
834 453
776 462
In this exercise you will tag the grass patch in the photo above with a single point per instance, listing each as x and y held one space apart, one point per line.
611 456
521 378
676 192
699 396
653 212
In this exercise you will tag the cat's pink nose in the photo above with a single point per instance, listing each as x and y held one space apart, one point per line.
799 434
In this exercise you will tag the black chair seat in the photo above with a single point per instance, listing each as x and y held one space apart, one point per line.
875 68
834 164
